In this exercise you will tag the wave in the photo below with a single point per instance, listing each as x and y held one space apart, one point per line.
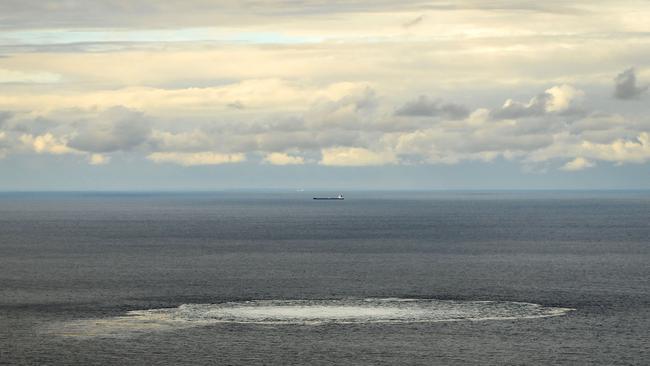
304 312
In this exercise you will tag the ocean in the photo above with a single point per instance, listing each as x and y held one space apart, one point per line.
276 278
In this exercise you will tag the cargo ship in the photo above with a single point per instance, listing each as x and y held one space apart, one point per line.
339 197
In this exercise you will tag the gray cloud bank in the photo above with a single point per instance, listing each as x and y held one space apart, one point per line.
423 106
353 130
626 85
115 129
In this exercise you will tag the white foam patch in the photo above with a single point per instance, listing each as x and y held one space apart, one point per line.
306 312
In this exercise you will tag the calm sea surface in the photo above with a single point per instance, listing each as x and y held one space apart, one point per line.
278 278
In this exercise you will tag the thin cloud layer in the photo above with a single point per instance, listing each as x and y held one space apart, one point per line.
166 13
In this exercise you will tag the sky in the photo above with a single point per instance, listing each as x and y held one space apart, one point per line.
316 94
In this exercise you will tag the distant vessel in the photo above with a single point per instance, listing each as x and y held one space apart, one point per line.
339 197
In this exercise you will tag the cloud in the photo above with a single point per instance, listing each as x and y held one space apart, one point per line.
347 111
4 116
156 13
355 156
229 13
562 99
512 109
184 141
425 107
98 159
283 159
626 85
47 143
193 159
115 129
620 150
3 145
334 83
576 164
357 128
341 124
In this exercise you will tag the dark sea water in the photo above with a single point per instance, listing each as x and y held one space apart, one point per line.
279 279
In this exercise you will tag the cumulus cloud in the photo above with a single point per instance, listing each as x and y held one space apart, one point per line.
425 107
283 159
620 150
512 109
46 143
342 124
353 129
98 159
562 99
193 159
626 86
578 163
115 129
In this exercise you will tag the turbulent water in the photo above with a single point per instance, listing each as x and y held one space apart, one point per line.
305 312
277 278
